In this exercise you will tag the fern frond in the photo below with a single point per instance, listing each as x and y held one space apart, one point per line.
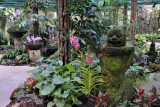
89 79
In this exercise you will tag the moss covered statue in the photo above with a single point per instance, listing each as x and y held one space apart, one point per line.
115 59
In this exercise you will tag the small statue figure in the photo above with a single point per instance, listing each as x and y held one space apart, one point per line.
152 54
115 59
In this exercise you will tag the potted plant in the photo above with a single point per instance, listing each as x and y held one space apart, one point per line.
18 24
34 45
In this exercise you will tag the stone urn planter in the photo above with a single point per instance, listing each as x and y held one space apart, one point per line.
34 51
49 50
17 34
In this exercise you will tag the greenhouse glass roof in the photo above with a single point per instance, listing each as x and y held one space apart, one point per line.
21 3
52 4
144 2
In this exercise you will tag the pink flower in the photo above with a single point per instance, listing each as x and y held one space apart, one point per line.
71 40
11 18
37 38
29 39
74 41
17 13
32 37
76 46
89 58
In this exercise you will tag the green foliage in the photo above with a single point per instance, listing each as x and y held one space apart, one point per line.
90 76
86 24
111 11
12 53
24 57
141 43
18 22
136 73
89 79
151 37
3 41
59 82
15 94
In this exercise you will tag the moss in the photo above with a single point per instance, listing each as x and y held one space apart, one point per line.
115 60
125 91
113 71
122 38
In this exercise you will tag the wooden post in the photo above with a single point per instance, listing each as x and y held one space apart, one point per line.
133 16
63 30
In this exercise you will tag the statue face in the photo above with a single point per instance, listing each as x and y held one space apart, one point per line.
115 37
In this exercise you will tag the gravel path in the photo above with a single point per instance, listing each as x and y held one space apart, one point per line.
10 78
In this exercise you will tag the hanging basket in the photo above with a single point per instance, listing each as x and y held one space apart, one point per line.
36 46
16 33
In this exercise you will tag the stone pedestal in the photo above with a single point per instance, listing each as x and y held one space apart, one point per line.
34 55
18 42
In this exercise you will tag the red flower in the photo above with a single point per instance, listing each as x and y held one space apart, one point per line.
141 91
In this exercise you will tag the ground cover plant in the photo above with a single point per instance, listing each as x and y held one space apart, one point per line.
14 56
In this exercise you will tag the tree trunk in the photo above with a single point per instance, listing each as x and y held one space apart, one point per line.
125 15
63 30
133 16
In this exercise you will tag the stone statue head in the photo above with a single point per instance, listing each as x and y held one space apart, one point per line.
115 38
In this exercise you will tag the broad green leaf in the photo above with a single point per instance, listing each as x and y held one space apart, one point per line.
45 73
59 103
57 79
65 73
54 62
41 78
47 89
57 92
70 67
34 71
65 94
50 68
50 104
60 62
39 85
40 59
76 101
67 105
76 79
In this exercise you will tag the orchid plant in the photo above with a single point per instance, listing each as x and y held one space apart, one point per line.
18 21
74 42
33 40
